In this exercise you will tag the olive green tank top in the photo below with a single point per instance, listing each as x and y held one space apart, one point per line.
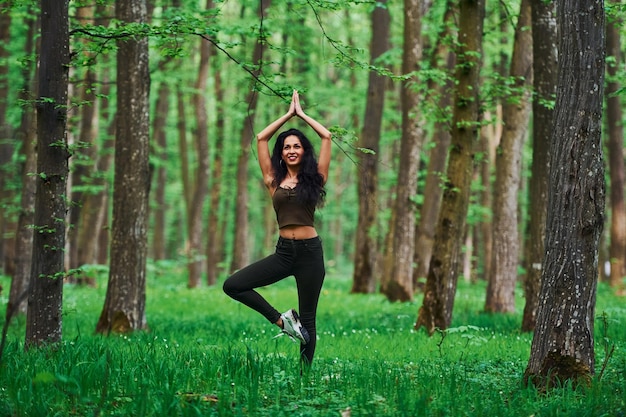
290 211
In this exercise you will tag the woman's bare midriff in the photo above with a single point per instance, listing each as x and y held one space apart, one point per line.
298 232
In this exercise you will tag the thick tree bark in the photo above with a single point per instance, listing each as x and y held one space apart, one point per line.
615 145
544 80
366 255
516 114
45 296
563 343
124 306
397 281
447 257
241 246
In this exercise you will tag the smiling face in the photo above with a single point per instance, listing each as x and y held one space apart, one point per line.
292 151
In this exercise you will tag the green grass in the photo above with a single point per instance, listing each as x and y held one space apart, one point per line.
206 355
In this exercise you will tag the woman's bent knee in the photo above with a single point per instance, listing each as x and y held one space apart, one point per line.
229 288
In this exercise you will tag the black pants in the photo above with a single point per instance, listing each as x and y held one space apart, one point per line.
304 259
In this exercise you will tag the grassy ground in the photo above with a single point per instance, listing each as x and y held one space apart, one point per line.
206 355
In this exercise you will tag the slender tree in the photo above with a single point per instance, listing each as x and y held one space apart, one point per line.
215 238
615 145
398 266
6 145
159 150
443 58
563 342
482 234
26 134
124 305
45 296
93 229
241 249
195 228
446 260
516 116
82 162
366 255
544 80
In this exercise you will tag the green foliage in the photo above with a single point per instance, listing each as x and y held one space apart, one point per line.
208 355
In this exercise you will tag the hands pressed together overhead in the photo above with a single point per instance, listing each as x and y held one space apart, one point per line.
295 108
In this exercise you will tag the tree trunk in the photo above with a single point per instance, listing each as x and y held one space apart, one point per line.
83 158
181 127
124 306
195 228
159 211
544 79
6 148
615 145
26 133
483 235
562 347
215 238
93 229
5 39
516 114
241 246
24 232
341 239
45 296
440 289
398 267
425 235
364 279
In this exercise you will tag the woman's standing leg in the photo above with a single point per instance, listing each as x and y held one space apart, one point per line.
309 272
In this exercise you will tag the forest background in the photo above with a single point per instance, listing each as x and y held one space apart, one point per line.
218 72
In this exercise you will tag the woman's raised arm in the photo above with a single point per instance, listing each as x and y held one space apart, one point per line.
263 149
323 163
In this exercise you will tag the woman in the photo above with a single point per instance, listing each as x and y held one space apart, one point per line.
295 181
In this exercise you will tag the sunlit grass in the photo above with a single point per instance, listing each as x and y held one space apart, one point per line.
208 355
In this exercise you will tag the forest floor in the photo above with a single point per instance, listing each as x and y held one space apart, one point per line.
206 355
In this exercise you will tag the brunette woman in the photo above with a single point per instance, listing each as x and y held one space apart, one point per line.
295 180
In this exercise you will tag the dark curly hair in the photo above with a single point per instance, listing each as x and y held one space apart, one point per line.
310 181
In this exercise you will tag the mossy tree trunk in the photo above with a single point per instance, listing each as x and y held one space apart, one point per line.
563 343
125 302
447 257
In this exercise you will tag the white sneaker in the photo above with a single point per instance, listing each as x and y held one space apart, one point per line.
293 328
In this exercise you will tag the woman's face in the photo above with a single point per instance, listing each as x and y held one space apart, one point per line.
292 151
